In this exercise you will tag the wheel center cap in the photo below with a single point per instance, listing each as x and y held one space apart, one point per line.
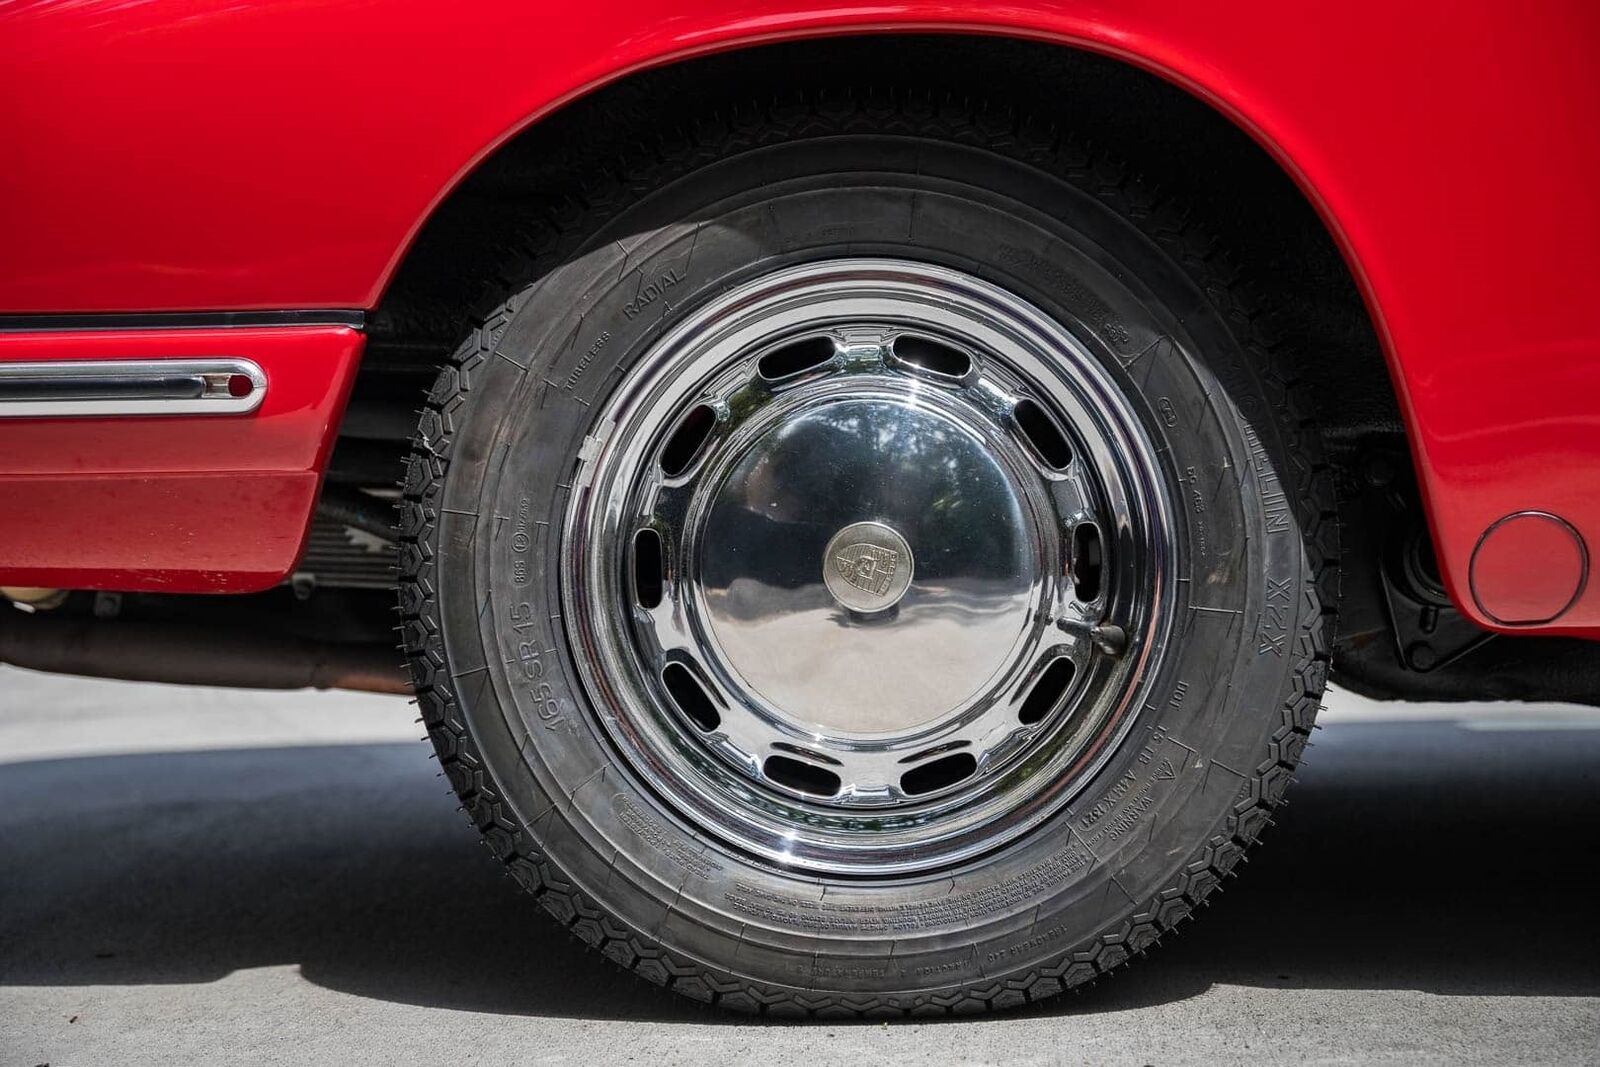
803 561
867 567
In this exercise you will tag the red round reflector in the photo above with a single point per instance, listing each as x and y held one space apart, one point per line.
1529 568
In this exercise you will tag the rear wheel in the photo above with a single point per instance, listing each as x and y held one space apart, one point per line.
872 571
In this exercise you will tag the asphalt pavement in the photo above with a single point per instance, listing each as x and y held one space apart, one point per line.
215 877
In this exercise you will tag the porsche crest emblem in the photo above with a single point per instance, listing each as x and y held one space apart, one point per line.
870 568
867 567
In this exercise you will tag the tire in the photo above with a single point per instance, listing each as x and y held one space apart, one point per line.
1214 714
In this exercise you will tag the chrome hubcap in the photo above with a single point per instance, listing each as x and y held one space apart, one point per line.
862 565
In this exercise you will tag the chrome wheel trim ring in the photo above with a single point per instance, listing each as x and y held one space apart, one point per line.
721 777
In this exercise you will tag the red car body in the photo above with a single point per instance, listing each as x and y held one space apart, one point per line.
185 156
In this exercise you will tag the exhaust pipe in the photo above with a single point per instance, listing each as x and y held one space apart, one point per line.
193 655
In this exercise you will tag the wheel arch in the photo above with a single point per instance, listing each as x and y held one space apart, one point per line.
1202 123
1144 57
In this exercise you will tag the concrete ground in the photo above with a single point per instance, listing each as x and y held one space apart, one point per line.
213 877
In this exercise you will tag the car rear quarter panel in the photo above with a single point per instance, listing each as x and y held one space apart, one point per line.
182 154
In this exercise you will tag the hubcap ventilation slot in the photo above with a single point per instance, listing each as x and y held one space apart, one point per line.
935 357
691 697
937 775
1047 692
801 777
686 442
1087 561
647 568
796 357
1049 443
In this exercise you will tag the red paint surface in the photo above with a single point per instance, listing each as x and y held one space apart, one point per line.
182 154
1504 584
203 503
